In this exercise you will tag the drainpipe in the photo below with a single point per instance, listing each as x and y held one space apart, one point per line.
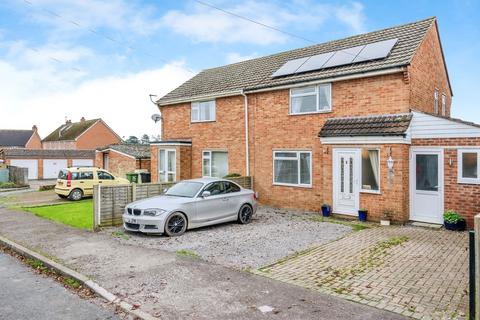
247 153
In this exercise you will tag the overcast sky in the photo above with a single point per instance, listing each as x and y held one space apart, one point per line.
92 58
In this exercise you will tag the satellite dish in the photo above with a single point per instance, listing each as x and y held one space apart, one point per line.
156 117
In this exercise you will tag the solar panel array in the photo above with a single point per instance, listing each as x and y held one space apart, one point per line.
368 52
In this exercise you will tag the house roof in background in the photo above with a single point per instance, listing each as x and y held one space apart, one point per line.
15 138
384 125
70 131
138 151
47 154
257 73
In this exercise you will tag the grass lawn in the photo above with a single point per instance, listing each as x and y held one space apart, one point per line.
76 214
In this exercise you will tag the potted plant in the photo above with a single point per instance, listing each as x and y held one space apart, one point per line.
387 215
326 209
453 221
362 214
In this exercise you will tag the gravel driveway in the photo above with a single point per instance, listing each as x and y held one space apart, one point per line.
272 235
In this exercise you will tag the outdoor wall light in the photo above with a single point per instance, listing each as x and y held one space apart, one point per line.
390 162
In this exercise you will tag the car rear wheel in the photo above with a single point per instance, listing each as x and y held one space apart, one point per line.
245 214
76 195
176 224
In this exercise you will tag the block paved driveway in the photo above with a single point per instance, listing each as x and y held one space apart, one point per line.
417 272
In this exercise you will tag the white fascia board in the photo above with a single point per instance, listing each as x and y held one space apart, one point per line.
366 140
199 98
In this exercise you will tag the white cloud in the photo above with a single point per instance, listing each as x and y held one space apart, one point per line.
205 24
234 57
122 102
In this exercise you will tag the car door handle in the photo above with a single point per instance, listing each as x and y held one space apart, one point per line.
81 181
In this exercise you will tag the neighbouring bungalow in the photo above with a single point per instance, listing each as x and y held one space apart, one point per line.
361 122
27 139
121 159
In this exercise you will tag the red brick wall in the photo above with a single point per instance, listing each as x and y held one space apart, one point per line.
461 197
118 164
428 72
35 142
99 135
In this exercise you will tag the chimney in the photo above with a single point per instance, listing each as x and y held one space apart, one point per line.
34 128
83 119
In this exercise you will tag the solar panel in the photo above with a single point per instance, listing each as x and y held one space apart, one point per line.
315 62
376 50
290 67
342 57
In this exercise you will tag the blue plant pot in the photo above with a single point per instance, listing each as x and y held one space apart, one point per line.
362 215
459 226
326 211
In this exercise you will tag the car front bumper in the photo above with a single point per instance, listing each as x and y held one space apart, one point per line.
143 224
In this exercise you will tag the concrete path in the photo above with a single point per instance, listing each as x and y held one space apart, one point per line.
175 287
26 295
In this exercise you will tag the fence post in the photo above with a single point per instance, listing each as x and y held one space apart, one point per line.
476 220
472 292
134 192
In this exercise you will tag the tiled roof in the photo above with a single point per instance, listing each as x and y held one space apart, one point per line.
15 138
139 151
46 154
256 73
70 131
384 125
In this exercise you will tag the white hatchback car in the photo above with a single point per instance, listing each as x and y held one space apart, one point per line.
191 204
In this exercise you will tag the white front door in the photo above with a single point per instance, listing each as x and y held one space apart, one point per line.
167 168
426 185
51 167
346 173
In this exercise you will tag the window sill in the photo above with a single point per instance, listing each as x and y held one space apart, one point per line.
307 113
468 181
202 121
371 192
292 185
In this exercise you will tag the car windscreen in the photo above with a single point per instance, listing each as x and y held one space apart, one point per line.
186 189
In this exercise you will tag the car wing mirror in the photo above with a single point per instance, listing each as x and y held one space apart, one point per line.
206 194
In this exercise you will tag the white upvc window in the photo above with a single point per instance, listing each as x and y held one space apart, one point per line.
444 104
203 111
435 101
215 163
371 170
311 99
468 166
292 168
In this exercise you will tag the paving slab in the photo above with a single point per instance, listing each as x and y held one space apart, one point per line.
171 286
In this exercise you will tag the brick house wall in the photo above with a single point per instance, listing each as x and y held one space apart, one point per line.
427 73
59 145
461 197
120 164
99 135
35 141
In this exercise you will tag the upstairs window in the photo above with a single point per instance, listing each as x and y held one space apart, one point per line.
468 166
435 102
203 111
444 104
311 99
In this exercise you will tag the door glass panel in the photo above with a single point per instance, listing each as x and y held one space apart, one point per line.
342 175
350 176
171 160
171 177
427 172
162 160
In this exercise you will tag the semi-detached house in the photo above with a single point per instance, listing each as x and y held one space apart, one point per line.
361 122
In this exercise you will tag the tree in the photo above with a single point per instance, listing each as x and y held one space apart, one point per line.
132 140
145 139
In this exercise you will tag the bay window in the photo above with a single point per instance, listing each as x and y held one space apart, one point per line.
215 164
203 111
370 170
468 166
292 168
311 99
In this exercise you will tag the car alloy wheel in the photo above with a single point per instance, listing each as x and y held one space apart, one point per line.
245 214
176 225
76 195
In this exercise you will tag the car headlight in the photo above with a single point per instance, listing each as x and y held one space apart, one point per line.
154 212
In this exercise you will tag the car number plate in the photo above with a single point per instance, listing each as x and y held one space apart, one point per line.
129 220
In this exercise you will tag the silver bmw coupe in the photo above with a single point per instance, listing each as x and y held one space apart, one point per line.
191 204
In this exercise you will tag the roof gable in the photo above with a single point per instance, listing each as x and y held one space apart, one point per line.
15 138
257 73
70 131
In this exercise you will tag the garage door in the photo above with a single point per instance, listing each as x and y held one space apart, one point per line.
31 165
82 163
52 167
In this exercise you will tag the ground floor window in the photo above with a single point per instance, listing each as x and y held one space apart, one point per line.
468 166
292 168
215 163
370 170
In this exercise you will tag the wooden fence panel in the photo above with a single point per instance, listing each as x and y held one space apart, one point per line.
109 201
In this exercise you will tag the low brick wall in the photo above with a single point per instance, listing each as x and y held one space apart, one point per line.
109 201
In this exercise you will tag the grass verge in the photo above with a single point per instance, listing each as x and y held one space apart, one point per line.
187 253
75 214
